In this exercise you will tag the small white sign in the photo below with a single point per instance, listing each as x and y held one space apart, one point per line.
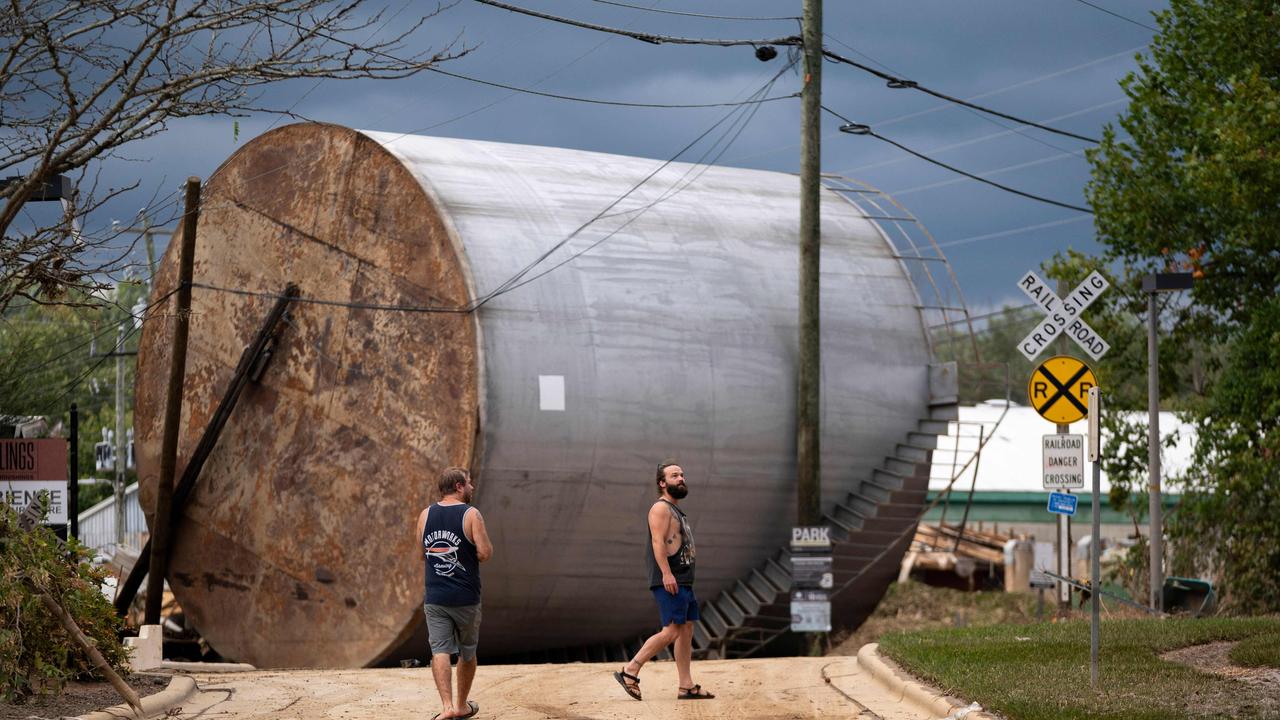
1063 462
18 494
551 393
810 537
810 611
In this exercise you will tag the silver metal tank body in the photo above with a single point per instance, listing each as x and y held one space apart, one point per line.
672 335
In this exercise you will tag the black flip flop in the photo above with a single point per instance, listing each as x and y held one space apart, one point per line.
694 693
622 677
475 708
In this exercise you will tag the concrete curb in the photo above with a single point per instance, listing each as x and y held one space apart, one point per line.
923 698
180 688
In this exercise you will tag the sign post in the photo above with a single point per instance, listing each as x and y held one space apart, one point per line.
1059 387
1095 541
811 578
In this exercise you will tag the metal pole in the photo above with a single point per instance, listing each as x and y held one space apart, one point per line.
1156 532
1095 545
173 407
121 449
808 463
73 477
151 250
1064 551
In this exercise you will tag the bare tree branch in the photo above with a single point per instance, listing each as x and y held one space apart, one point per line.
78 80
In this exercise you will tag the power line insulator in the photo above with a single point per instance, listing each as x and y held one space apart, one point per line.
765 53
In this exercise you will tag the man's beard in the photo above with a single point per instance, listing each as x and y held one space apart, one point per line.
678 491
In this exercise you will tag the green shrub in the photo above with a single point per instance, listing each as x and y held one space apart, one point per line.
36 655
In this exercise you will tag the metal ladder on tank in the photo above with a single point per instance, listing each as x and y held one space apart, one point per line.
875 523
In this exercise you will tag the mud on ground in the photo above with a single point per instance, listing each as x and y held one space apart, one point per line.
78 698
1258 692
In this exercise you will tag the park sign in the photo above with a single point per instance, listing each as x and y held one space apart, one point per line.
28 467
1063 315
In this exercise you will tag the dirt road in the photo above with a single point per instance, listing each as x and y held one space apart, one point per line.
776 688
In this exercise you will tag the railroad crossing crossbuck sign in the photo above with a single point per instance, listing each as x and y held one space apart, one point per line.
1059 389
1062 315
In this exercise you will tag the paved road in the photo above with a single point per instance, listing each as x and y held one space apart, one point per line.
773 689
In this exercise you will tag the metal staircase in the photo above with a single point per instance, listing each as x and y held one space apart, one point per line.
871 529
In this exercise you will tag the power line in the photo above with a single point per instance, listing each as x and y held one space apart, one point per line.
987 173
693 14
617 103
652 38
516 279
1013 231
981 138
898 83
75 382
142 316
1118 15
676 188
892 80
859 129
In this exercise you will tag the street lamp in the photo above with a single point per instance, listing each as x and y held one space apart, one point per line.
1153 284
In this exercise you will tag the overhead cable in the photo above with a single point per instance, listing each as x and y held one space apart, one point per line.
898 83
518 279
854 128
652 38
1012 231
693 14
1118 15
618 103
892 80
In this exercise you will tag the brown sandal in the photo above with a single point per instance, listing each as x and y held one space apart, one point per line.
694 693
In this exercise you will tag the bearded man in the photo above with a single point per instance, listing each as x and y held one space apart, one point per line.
670 558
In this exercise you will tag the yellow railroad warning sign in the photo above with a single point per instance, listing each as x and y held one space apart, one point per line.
1059 389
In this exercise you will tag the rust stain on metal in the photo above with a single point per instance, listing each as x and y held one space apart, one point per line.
300 521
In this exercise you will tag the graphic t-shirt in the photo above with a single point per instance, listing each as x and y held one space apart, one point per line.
452 568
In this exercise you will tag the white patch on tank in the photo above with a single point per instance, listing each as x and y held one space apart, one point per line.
551 392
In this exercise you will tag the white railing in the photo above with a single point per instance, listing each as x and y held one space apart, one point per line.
98 524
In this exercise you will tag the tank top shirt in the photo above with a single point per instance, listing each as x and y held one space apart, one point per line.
681 561
452 568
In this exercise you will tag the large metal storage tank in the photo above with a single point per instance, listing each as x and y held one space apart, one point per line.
674 337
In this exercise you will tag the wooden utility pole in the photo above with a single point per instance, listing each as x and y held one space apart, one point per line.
173 407
808 461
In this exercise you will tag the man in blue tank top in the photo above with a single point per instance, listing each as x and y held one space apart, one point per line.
669 555
454 542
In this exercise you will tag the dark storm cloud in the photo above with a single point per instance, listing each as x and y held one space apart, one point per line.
960 48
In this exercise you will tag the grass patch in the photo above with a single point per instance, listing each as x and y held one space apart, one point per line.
1041 671
1258 651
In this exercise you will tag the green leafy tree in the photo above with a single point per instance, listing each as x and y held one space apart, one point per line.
52 356
1194 187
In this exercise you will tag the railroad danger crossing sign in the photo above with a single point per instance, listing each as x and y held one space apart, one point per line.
1062 315
1059 389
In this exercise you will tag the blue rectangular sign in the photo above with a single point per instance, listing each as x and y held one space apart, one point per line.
1063 503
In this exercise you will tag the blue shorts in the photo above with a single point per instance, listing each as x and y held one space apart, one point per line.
680 608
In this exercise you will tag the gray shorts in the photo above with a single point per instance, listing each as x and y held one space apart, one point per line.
453 629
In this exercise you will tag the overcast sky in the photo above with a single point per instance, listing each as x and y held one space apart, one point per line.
1053 61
